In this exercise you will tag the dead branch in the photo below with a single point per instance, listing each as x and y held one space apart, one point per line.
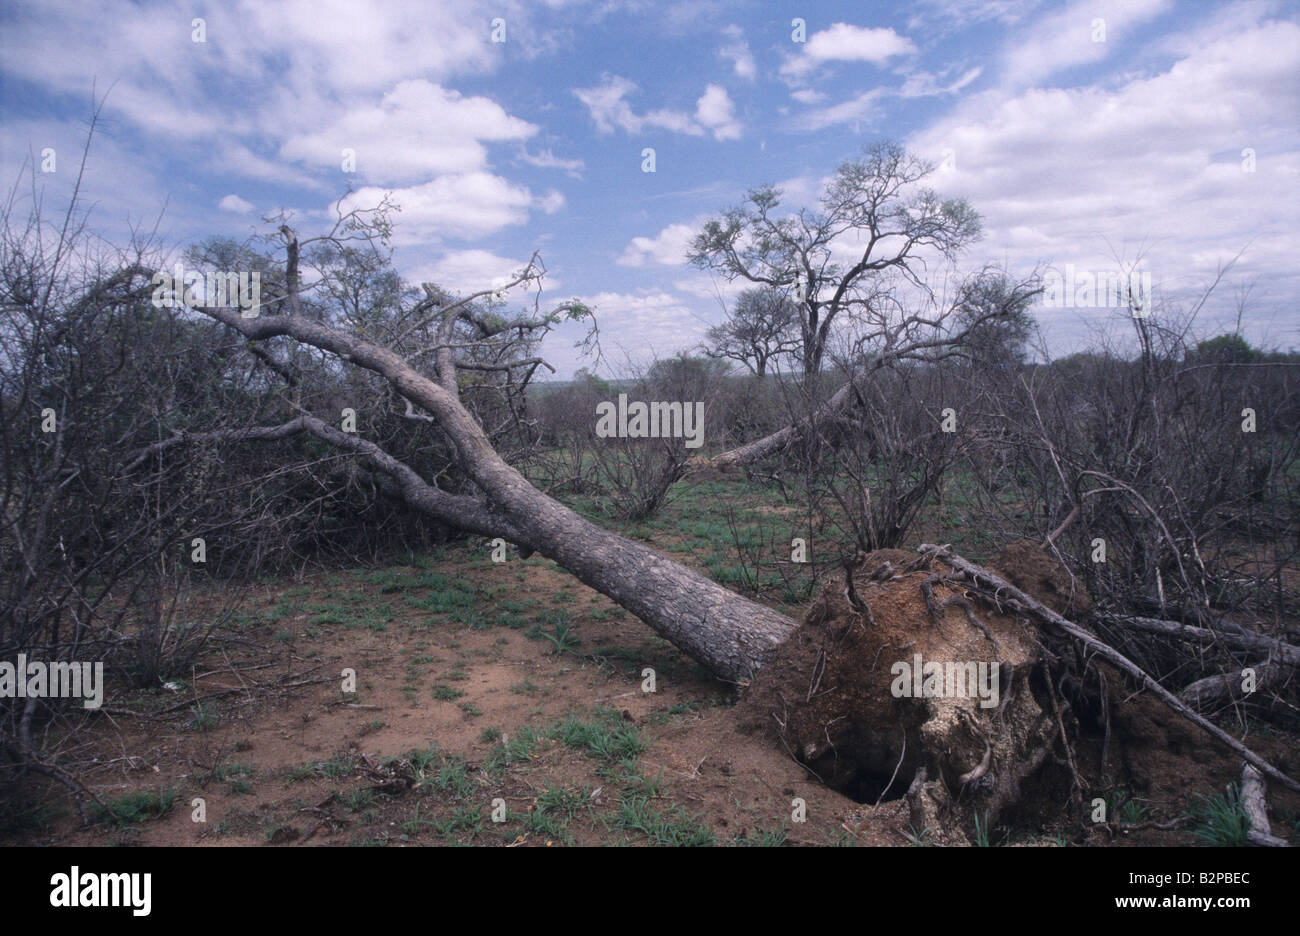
1256 808
1007 592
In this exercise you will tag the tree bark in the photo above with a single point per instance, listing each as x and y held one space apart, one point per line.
729 634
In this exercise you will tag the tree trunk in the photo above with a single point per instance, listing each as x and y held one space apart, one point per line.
729 634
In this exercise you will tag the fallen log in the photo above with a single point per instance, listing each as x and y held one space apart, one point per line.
1244 640
1255 805
1226 687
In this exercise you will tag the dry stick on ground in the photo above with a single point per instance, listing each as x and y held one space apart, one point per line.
1227 687
1282 652
1256 809
1091 642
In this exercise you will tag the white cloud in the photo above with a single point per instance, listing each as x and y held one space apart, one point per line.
714 111
737 52
1065 39
467 205
862 109
551 202
417 129
467 271
235 204
808 96
1151 166
609 110
844 42
925 84
654 323
545 159
669 247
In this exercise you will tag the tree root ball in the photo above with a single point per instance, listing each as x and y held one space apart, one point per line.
842 694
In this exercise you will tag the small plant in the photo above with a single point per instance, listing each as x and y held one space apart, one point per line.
982 834
922 839
1221 820
446 693
562 638
202 721
1132 812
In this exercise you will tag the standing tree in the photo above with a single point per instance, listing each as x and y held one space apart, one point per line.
762 326
872 212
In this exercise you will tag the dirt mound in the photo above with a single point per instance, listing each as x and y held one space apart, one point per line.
1026 565
905 670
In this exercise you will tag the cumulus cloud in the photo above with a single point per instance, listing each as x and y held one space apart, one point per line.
1151 167
714 112
668 247
417 129
465 205
467 271
844 42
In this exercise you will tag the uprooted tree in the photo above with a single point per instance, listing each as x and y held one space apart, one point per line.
362 366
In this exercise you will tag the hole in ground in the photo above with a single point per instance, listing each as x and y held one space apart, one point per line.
869 767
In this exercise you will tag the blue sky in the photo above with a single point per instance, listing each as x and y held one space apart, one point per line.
1076 151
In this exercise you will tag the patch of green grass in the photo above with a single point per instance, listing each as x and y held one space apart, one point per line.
515 747
333 769
446 693
764 838
922 839
604 736
25 815
463 819
441 773
224 772
676 827
554 812
134 808
1128 809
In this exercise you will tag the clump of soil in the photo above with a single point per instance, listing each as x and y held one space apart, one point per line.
1027 566
842 697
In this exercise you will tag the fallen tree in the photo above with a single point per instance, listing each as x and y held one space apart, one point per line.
729 634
